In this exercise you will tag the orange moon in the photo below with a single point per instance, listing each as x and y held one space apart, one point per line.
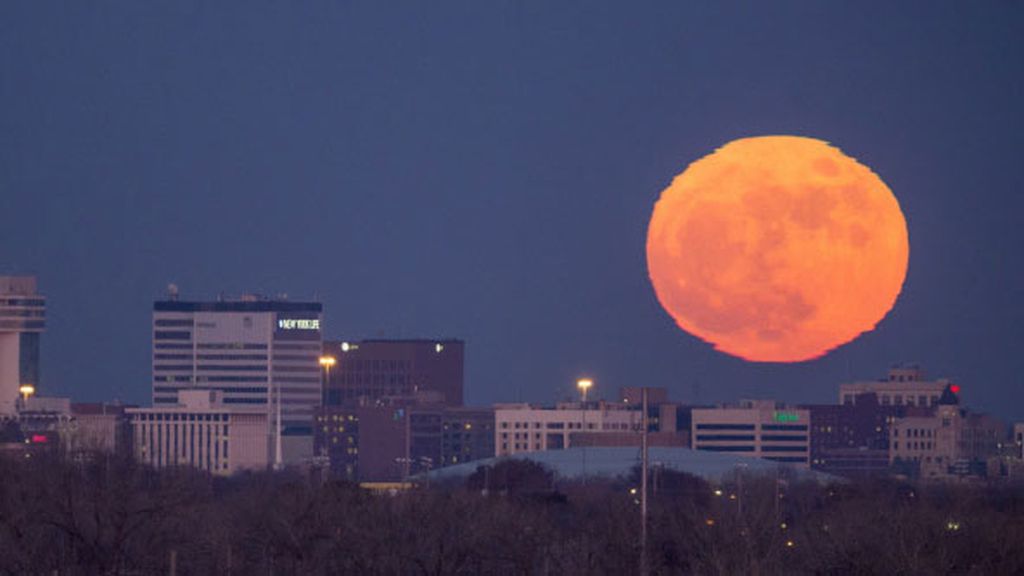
777 249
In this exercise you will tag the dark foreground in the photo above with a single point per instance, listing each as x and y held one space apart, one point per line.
110 516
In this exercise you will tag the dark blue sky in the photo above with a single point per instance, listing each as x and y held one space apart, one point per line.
486 171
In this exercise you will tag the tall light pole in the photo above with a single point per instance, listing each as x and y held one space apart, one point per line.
584 384
643 484
326 362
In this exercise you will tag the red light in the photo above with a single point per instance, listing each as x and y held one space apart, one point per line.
39 439
954 389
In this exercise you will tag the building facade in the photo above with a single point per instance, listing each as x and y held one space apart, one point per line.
520 428
99 427
368 370
394 438
904 386
851 439
22 321
760 428
467 434
944 443
203 432
257 352
45 419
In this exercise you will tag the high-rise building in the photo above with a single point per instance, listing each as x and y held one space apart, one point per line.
22 320
368 370
257 352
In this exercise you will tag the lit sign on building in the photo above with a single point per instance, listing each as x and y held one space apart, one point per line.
787 417
298 324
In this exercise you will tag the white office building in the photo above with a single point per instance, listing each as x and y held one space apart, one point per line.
202 432
760 428
520 428
257 352
22 320
904 386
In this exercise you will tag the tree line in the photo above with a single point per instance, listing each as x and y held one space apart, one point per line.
109 515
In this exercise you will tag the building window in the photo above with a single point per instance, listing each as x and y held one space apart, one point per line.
172 335
725 426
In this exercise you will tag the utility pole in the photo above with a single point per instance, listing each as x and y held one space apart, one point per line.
643 486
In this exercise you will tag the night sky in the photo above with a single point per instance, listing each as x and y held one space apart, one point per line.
486 171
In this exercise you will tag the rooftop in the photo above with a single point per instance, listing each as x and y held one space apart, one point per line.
612 462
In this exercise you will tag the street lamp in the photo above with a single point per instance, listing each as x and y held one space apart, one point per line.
584 384
26 391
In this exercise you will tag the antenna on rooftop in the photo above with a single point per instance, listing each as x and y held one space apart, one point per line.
172 292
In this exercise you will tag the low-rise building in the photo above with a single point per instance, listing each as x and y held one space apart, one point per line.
520 428
467 434
202 432
851 439
393 438
905 385
944 442
99 427
761 428
45 419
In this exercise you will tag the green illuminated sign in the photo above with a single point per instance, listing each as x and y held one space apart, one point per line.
787 417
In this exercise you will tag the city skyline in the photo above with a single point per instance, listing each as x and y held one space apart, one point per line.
487 173
897 376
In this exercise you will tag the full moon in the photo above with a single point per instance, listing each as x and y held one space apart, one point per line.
777 249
